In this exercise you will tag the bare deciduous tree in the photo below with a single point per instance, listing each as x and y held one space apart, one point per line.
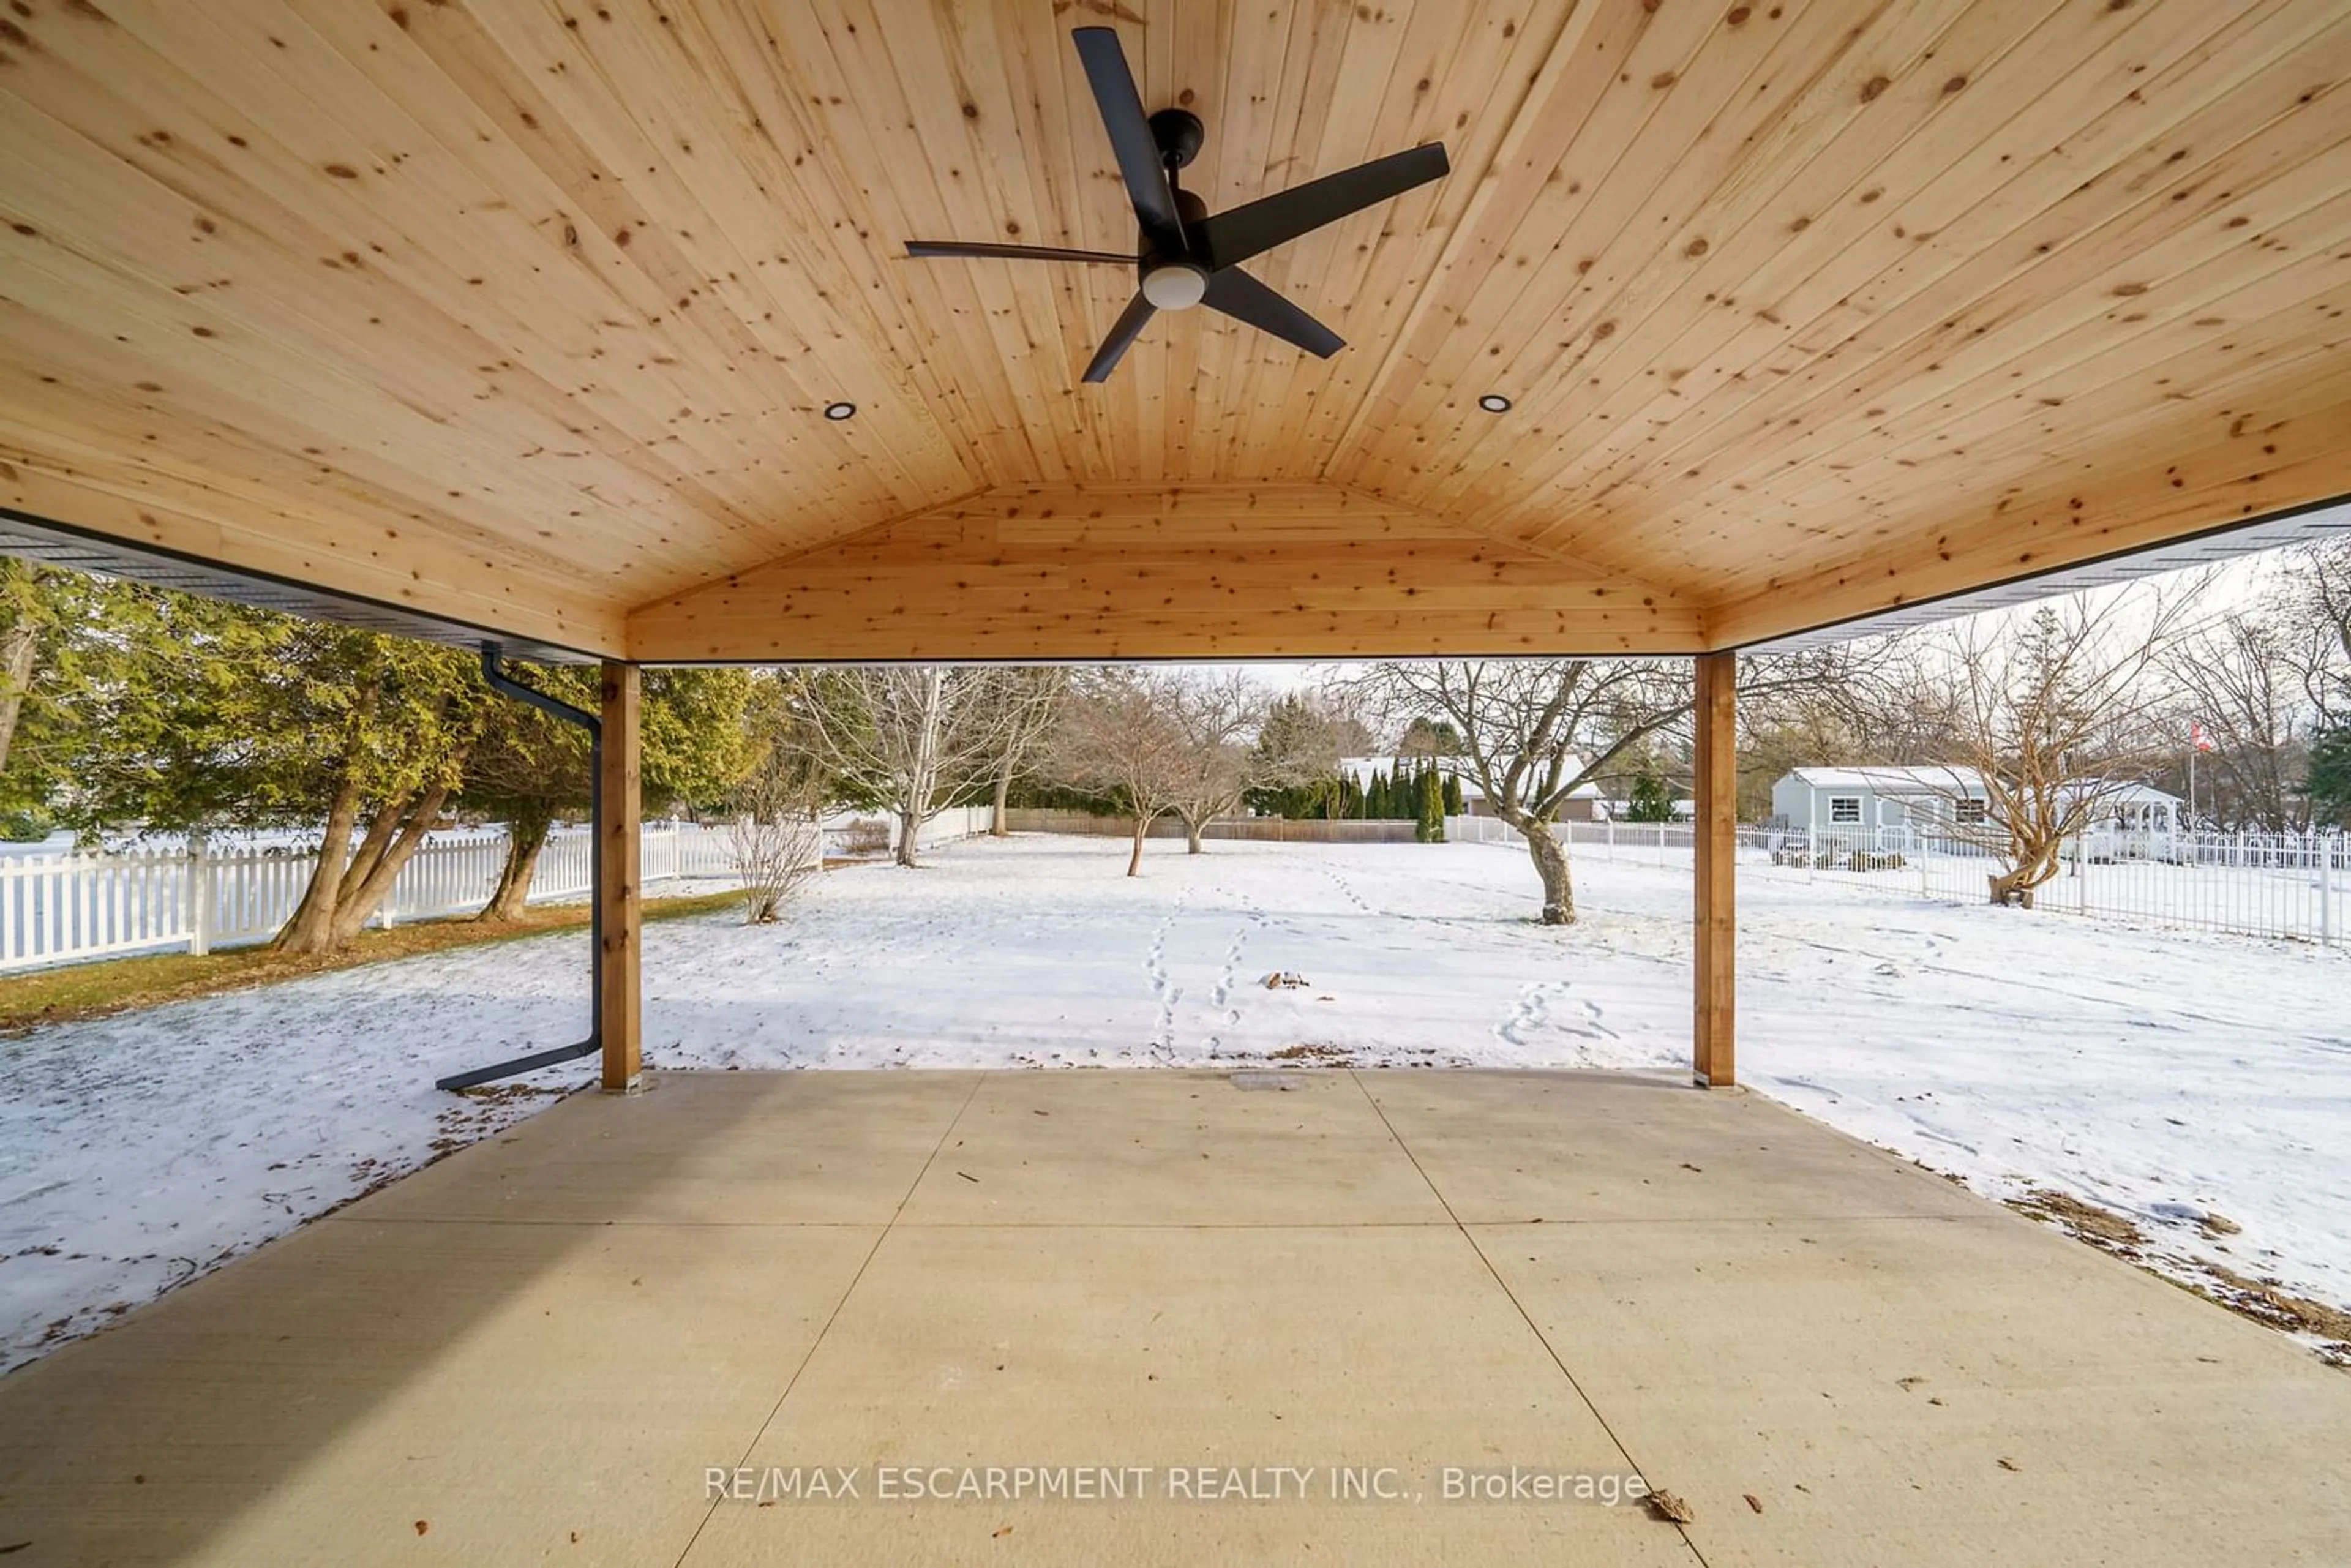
1532 731
2318 604
1036 693
915 736
1119 736
1218 715
2059 715
2242 682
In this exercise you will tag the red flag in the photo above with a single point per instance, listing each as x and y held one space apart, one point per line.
2198 736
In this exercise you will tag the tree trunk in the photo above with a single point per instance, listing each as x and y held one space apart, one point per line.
18 645
1134 860
367 881
922 781
996 828
311 927
2035 865
2014 887
1193 825
364 859
524 838
1551 863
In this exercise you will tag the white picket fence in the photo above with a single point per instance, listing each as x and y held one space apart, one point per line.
1660 842
65 908
2296 886
941 828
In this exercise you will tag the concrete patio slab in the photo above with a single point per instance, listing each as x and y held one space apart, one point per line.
737 1147
519 1389
1377 1351
1904 1384
1518 1147
543 1347
1254 1147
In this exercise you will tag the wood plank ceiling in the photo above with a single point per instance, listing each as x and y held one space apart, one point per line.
523 312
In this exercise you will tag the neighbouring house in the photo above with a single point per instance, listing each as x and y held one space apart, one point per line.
1685 810
1935 799
1583 804
2133 821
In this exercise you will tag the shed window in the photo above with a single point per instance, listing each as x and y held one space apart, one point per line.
1845 807
1970 813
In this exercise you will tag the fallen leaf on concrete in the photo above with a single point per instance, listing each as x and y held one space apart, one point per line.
1754 1502
2008 1464
421 1526
1001 1533
1668 1507
967 1175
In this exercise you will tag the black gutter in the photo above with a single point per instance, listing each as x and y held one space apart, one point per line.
499 681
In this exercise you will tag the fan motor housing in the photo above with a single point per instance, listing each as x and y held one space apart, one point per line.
1179 134
1183 279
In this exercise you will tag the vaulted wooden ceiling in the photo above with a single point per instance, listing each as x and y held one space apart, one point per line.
522 312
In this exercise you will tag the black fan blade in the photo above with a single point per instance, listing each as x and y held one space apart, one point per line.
1245 231
956 247
1130 137
1122 334
1244 298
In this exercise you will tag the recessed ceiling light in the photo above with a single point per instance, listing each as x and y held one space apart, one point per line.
837 412
1494 403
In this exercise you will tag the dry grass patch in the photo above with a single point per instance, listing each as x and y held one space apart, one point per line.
2263 1303
2099 1227
2268 1304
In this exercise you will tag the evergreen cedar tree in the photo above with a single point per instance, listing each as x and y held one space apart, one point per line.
186 714
1650 801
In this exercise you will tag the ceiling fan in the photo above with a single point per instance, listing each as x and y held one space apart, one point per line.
1187 255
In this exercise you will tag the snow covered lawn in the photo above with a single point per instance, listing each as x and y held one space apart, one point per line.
2165 1075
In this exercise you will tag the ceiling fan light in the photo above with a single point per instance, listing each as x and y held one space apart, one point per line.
1177 286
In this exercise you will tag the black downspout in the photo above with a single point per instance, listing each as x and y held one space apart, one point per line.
506 684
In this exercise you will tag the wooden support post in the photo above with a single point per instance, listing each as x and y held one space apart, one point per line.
620 851
1717 787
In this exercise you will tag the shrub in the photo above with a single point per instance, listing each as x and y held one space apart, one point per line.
866 836
776 840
